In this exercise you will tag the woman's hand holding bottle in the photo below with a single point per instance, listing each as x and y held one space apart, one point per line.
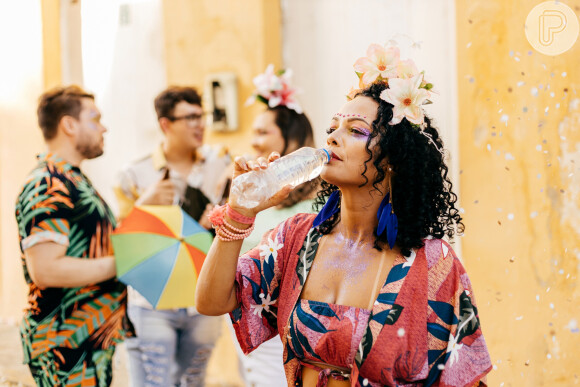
242 166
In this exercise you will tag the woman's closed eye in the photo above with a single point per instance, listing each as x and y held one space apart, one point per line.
354 130
360 131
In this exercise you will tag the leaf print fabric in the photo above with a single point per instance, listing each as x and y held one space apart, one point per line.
69 334
423 329
306 254
258 281
327 333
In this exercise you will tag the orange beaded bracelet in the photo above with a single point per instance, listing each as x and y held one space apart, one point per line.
224 230
237 217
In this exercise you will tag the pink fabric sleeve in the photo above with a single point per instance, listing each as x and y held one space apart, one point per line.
455 336
258 287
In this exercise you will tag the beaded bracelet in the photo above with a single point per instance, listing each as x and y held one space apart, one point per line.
237 217
216 215
224 230
225 235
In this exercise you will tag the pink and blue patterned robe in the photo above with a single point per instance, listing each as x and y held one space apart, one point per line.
423 329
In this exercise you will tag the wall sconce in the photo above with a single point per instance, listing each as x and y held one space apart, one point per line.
221 102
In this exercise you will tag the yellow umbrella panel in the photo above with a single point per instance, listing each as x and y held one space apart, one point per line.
159 251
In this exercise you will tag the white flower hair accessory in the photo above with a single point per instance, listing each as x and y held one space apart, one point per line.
275 89
407 89
406 96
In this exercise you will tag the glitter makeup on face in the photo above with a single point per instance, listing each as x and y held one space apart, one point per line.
349 117
365 131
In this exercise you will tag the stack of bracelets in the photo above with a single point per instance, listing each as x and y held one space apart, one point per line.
226 232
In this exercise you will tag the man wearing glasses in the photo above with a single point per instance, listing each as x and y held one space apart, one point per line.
173 347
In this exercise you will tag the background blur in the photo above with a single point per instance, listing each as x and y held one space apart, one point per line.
510 118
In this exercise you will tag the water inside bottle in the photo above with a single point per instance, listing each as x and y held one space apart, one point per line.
314 174
258 186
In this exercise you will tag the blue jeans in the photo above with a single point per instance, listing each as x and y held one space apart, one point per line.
172 347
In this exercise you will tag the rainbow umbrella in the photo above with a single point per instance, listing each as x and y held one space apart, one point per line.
159 251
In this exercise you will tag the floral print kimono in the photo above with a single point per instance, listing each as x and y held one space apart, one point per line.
422 330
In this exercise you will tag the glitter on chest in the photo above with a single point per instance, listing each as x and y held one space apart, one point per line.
345 260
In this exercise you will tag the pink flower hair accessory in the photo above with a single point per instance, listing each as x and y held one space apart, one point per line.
275 89
407 89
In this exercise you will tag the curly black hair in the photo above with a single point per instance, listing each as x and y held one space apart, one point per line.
422 193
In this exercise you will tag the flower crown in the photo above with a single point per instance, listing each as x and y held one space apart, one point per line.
274 89
407 89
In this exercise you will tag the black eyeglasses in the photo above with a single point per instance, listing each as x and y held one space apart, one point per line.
189 118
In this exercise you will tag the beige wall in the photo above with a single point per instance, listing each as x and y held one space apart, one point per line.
123 57
323 38
18 123
52 63
520 190
206 36
21 81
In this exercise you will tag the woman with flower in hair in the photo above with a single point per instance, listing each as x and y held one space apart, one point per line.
366 292
281 128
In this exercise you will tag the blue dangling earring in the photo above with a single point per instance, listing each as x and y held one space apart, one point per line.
329 209
387 221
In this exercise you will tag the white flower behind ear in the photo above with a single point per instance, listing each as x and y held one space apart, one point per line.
270 249
407 98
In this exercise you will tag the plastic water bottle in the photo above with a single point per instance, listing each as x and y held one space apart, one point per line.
295 168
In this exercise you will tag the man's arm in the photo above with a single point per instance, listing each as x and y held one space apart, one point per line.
49 267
